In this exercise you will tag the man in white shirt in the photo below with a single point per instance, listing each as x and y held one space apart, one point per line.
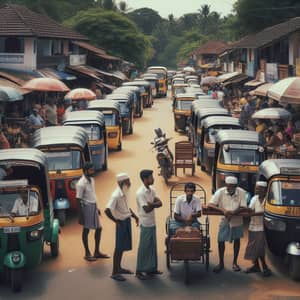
147 202
24 207
117 209
255 250
229 200
86 197
187 209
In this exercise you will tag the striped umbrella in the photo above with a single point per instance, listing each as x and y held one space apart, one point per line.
274 113
45 84
286 91
81 94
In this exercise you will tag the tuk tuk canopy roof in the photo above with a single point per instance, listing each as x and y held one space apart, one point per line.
60 135
157 68
186 95
220 120
212 111
118 97
239 136
205 103
85 117
103 105
273 167
140 82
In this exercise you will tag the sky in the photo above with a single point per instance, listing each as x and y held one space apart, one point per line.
181 7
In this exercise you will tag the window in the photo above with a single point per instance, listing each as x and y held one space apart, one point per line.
14 45
93 132
64 160
240 157
284 193
110 119
183 104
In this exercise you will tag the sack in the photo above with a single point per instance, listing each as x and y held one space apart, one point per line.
188 232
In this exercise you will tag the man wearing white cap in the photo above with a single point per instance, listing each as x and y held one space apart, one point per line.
118 211
255 250
229 200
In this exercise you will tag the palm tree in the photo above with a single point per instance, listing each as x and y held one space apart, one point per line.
204 11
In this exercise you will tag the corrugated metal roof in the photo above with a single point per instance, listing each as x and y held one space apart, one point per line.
18 20
211 47
84 116
220 120
269 34
239 137
103 105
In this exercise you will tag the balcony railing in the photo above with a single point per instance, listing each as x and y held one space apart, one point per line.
51 61
11 58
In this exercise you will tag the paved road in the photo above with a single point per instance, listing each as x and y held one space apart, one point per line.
69 276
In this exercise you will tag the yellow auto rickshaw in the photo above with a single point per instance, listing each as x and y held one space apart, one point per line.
113 121
282 210
178 88
162 73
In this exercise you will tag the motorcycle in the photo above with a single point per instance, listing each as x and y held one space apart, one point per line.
164 156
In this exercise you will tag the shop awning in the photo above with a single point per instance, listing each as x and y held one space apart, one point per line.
105 85
253 83
52 73
236 80
7 83
19 76
86 71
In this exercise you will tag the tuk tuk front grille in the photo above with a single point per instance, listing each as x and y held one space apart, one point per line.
13 243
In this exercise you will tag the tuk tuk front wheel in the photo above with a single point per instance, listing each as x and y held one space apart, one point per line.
54 248
16 279
294 267
61 216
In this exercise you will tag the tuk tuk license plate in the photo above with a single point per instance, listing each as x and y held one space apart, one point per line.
11 229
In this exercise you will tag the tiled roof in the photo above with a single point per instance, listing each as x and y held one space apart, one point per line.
211 47
17 20
269 34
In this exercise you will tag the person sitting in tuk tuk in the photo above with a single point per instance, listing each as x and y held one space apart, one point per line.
229 200
255 250
24 205
272 142
187 209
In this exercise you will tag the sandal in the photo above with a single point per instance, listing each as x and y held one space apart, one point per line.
217 269
236 268
266 272
157 272
117 277
90 258
125 271
101 255
141 276
253 269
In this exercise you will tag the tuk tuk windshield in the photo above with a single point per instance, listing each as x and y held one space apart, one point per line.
243 156
18 203
284 193
184 104
64 160
110 119
124 108
93 132
180 90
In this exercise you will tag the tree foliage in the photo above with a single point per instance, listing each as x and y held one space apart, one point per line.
115 33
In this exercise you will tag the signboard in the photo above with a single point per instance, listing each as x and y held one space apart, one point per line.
77 59
271 72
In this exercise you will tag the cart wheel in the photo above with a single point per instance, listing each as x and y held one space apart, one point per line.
61 216
186 272
16 279
54 248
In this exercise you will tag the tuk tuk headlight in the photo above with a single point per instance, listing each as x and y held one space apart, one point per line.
261 149
275 225
72 184
34 234
16 257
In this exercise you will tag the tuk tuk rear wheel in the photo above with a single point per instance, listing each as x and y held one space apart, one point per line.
16 279
294 267
119 147
54 248
61 216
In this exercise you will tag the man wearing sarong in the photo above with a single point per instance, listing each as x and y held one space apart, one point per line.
86 197
117 209
229 200
147 202
187 209
255 250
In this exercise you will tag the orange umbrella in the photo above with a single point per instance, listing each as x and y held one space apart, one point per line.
45 84
81 94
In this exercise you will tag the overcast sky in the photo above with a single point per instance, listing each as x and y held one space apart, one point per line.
181 7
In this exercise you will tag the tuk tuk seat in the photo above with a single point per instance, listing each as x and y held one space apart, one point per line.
184 156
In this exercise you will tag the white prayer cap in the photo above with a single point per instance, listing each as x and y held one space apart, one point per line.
261 183
231 180
122 177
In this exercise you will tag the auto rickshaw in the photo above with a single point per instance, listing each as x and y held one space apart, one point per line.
154 81
210 127
113 121
200 110
126 111
146 91
130 94
237 153
138 101
282 210
67 149
162 74
182 111
178 88
25 229
93 122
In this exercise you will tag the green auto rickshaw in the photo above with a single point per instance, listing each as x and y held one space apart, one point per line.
26 213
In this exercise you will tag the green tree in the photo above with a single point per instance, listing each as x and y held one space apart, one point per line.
114 32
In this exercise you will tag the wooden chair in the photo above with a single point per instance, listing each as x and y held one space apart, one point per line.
184 156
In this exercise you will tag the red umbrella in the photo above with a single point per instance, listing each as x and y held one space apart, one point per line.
45 84
81 94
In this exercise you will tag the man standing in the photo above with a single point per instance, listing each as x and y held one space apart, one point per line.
119 212
147 202
255 250
229 200
51 112
86 196
35 120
